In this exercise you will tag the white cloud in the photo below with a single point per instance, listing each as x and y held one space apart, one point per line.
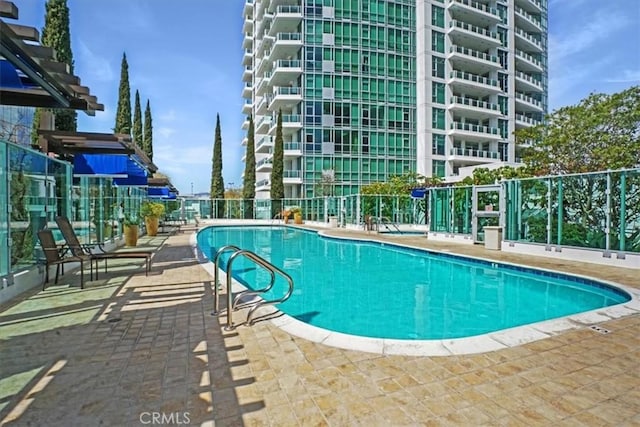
94 67
626 76
164 132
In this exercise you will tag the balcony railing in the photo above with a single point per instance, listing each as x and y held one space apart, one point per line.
529 120
527 57
474 78
291 118
265 161
288 63
474 29
528 99
286 90
534 20
289 37
292 146
479 6
474 153
475 54
474 103
475 128
288 9
528 78
528 37
262 183
292 174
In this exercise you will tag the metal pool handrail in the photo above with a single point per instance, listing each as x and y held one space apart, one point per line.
266 265
216 274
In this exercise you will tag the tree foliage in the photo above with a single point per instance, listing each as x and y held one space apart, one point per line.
147 144
249 184
400 184
137 122
601 132
56 34
123 112
485 176
277 170
217 183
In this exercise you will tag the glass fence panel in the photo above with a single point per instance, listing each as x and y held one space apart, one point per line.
5 256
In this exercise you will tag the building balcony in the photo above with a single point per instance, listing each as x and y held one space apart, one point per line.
472 36
247 27
247 41
527 63
263 84
292 176
247 107
287 45
469 156
292 149
285 97
264 145
265 164
245 124
532 6
472 60
471 132
527 21
285 71
247 74
247 11
291 123
526 83
526 42
527 103
473 12
286 18
473 108
523 121
264 23
247 90
247 58
245 141
263 105
472 84
263 185
263 125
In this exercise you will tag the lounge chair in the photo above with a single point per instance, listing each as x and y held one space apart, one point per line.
77 249
54 256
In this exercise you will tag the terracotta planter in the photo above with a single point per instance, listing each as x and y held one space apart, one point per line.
152 224
297 218
130 235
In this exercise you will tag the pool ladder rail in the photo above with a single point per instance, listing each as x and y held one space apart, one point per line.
235 304
386 222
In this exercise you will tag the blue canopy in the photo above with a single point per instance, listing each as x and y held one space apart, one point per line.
418 193
100 165
161 193
136 175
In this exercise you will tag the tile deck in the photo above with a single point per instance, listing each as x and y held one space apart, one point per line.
130 350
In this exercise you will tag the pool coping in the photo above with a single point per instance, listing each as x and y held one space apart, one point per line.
492 341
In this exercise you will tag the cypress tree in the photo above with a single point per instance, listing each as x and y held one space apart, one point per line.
55 34
147 145
137 123
277 171
249 184
217 183
123 113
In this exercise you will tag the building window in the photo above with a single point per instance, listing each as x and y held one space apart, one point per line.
437 168
437 67
437 16
437 144
438 118
437 41
437 92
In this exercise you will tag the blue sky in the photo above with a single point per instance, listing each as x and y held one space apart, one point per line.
185 57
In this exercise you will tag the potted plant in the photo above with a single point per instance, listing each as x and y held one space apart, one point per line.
130 227
297 214
151 212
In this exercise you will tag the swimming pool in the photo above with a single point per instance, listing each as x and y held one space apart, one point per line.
381 290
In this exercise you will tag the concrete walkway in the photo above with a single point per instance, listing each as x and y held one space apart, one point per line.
133 350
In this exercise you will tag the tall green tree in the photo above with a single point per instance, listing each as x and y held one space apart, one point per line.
137 122
123 112
601 132
147 145
277 170
217 183
249 184
56 34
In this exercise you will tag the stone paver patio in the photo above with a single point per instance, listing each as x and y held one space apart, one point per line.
136 350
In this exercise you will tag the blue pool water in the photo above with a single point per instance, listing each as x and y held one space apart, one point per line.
384 291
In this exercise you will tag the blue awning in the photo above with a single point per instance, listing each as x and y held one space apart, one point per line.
158 192
418 193
136 175
100 165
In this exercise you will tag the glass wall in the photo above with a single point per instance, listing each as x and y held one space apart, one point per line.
596 210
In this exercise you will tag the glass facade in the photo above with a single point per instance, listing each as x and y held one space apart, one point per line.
356 82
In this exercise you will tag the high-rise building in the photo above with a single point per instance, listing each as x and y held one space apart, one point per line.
369 89
482 74
342 72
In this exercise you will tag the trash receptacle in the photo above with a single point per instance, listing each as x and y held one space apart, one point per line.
333 222
493 237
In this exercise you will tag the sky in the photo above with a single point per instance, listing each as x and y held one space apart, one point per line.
185 58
